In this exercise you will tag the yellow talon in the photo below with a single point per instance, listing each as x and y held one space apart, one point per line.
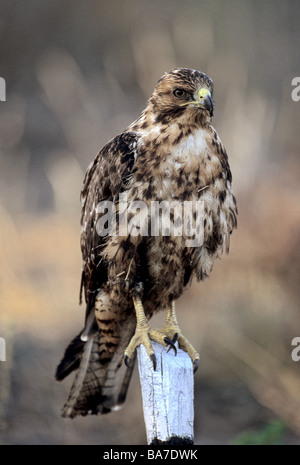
168 335
144 333
172 330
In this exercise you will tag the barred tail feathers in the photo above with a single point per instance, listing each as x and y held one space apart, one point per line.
101 383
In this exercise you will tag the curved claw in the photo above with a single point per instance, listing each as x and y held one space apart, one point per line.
153 358
126 361
171 343
196 364
175 338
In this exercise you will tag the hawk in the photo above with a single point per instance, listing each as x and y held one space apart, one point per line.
171 153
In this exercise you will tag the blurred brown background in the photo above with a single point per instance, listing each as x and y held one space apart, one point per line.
77 74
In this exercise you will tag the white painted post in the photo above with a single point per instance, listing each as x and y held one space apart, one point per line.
168 396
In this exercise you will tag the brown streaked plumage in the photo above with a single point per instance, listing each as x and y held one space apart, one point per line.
170 153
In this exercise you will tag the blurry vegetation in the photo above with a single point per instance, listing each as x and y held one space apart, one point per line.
270 435
76 76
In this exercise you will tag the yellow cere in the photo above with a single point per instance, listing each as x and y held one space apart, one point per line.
203 93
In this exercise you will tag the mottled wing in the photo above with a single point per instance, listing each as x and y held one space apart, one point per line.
100 383
105 179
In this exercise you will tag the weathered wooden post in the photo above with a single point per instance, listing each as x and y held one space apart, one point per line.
168 396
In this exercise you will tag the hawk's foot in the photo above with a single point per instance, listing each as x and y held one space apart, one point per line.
144 333
145 336
172 331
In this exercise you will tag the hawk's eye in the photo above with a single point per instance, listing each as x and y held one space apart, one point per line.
179 93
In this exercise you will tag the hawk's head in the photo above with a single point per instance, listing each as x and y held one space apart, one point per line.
183 91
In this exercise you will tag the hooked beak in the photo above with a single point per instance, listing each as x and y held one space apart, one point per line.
204 100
